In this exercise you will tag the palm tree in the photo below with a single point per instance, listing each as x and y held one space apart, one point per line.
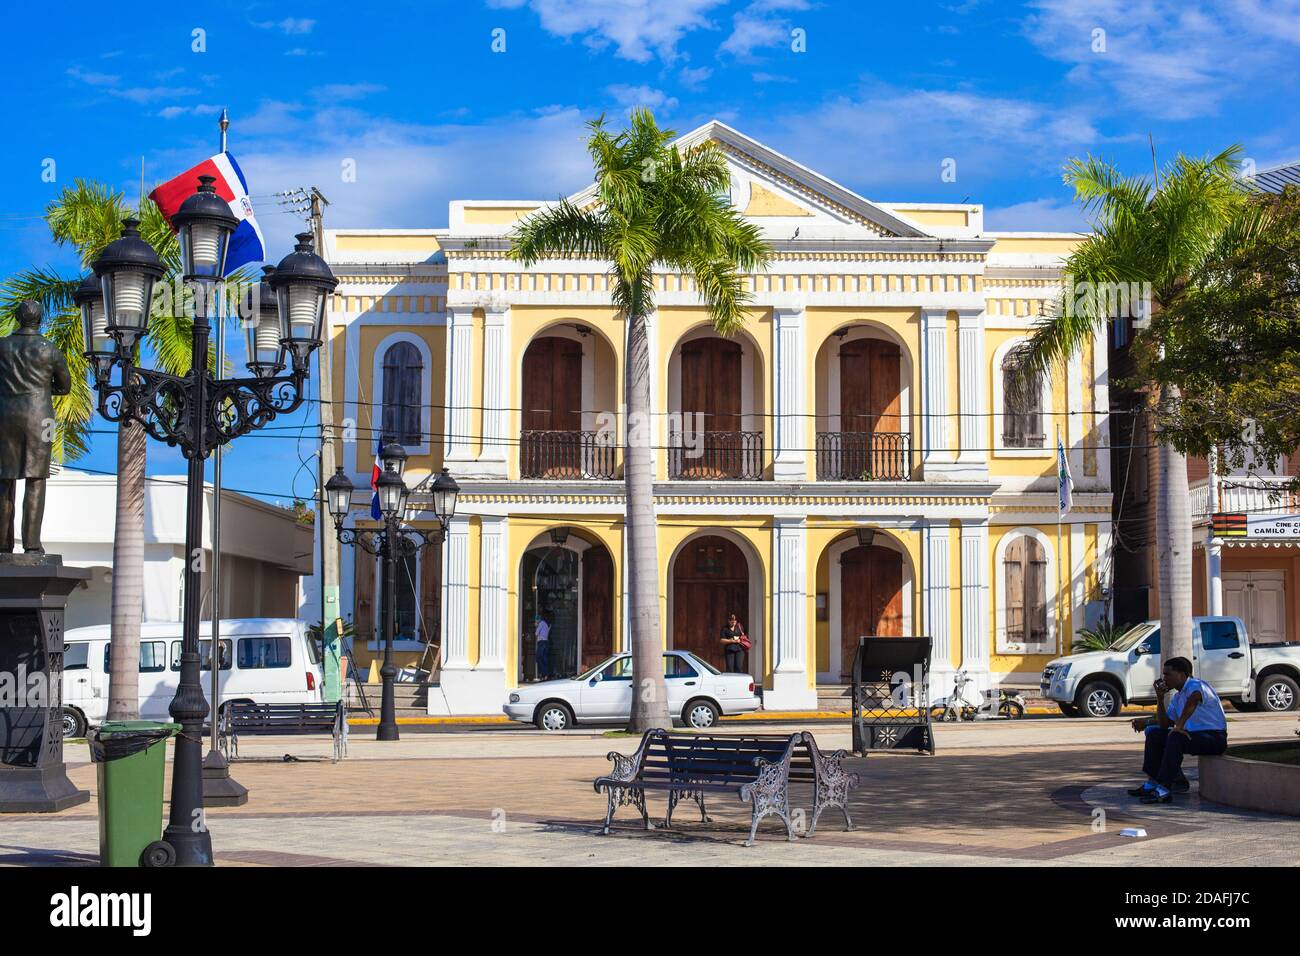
1159 230
88 216
655 205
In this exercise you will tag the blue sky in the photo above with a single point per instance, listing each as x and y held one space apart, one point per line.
422 101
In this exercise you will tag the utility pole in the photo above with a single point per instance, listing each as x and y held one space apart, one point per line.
328 554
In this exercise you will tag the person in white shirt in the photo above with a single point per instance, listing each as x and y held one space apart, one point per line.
1192 723
543 632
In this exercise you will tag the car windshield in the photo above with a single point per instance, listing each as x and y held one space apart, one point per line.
1132 637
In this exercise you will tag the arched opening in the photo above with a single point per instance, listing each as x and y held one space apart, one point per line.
715 388
567 374
566 588
863 377
713 577
868 581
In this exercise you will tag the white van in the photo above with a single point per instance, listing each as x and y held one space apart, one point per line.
264 660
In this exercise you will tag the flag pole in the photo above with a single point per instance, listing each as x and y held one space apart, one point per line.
219 789
1060 558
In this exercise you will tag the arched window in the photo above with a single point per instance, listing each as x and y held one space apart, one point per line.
1024 566
403 374
1022 409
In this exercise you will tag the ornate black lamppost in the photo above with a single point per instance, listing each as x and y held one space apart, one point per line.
388 543
197 412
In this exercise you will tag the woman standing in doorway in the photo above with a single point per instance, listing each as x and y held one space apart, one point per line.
735 642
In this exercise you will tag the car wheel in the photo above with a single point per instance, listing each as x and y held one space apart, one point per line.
1277 693
1099 699
554 716
1069 710
72 724
700 714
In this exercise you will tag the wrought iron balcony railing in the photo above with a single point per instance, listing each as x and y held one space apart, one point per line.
863 456
712 456
566 455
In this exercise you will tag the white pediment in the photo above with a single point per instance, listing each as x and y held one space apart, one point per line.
782 196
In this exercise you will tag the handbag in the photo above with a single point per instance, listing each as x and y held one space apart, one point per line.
744 640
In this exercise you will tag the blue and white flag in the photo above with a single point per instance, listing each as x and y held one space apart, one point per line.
1064 481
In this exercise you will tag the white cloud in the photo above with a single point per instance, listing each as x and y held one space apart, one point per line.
347 91
92 78
899 138
694 79
1168 58
629 96
405 173
1036 215
760 25
289 26
639 29
198 109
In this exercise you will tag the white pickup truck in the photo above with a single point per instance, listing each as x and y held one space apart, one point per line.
1252 676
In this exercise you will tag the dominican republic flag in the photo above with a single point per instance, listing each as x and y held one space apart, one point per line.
1064 480
246 243
375 513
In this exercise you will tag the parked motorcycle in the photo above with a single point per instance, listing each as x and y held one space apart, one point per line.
993 703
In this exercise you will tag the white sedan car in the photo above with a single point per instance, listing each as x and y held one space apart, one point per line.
698 694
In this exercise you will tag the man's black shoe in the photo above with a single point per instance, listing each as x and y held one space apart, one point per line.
1152 797
1181 785
1140 791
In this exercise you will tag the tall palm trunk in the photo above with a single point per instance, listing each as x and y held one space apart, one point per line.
1174 546
650 696
128 575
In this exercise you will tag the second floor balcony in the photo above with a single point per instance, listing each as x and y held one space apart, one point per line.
716 456
567 455
863 456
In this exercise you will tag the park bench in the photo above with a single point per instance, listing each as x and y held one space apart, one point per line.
756 768
245 718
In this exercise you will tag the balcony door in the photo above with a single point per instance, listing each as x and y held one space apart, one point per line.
871 598
551 445
712 392
870 410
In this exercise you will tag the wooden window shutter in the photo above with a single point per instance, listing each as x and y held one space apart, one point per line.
430 596
1036 591
1013 563
363 611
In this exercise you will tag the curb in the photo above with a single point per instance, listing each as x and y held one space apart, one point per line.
757 715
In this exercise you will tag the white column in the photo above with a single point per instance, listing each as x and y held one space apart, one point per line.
791 688
973 390
493 587
455 605
790 460
936 584
975 630
496 391
1214 575
934 387
459 390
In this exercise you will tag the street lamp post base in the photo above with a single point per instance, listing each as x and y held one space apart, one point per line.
219 788
387 732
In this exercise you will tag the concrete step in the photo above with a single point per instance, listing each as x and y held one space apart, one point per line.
411 699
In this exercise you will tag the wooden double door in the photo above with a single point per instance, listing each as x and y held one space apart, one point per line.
551 444
871 598
575 594
710 581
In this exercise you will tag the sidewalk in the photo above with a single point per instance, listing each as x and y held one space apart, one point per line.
1022 793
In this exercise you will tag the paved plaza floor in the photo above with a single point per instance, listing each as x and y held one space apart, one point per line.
1040 791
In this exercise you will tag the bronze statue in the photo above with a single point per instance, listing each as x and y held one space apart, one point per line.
32 371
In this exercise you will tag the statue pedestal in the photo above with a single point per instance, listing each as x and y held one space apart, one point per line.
34 591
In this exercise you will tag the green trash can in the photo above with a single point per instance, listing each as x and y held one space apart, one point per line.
129 756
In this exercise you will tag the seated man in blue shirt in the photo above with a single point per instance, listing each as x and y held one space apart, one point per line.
1193 724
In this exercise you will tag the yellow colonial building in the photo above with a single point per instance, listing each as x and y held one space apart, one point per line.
848 464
